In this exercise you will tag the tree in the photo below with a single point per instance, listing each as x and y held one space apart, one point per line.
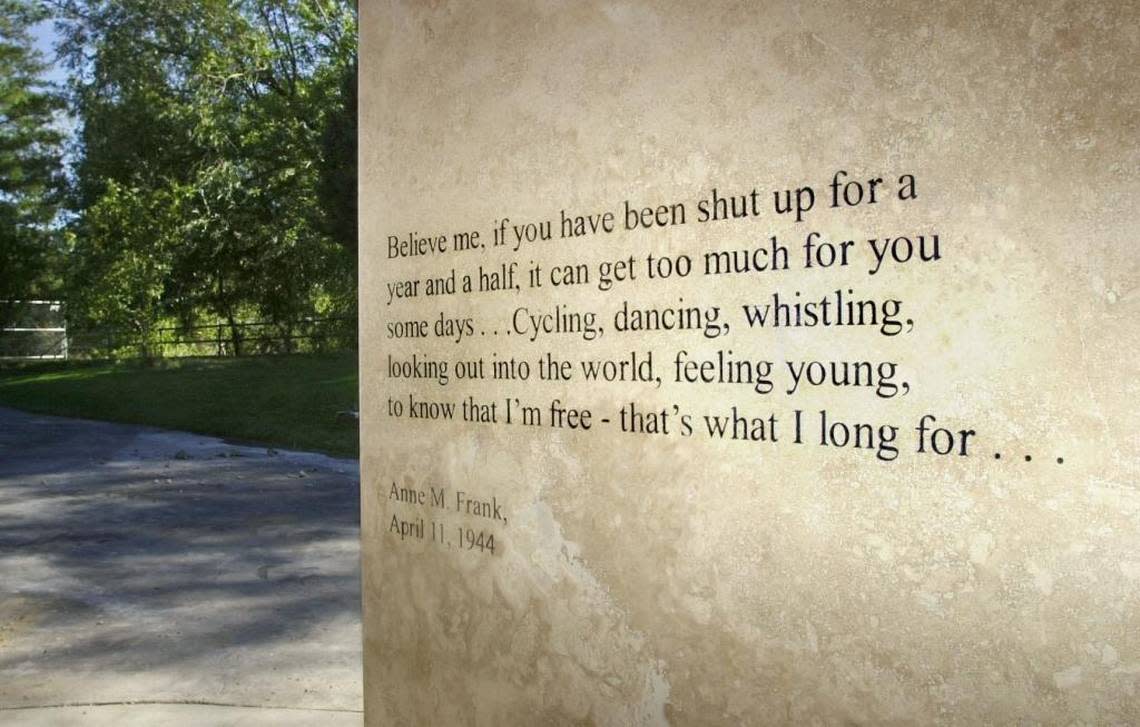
338 171
126 261
30 166
221 109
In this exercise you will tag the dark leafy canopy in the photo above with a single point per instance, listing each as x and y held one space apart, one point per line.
30 176
211 179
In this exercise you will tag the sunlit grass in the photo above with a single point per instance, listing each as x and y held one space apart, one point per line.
284 401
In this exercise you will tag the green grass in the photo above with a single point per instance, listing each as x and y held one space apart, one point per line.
283 401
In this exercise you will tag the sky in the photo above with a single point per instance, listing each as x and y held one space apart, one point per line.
45 40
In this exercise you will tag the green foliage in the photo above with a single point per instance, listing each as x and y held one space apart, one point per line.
125 253
30 178
338 174
209 131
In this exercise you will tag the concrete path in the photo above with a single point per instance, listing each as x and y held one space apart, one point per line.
157 578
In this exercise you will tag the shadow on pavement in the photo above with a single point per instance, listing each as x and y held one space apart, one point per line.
143 564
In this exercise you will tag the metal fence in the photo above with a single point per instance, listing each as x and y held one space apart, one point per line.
33 330
38 330
244 338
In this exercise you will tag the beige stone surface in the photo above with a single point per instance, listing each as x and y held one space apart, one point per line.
669 579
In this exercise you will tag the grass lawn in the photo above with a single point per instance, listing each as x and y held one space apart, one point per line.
285 401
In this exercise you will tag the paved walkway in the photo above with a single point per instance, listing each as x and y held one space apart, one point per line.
159 578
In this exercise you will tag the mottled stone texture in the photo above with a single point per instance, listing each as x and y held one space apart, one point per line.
665 580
